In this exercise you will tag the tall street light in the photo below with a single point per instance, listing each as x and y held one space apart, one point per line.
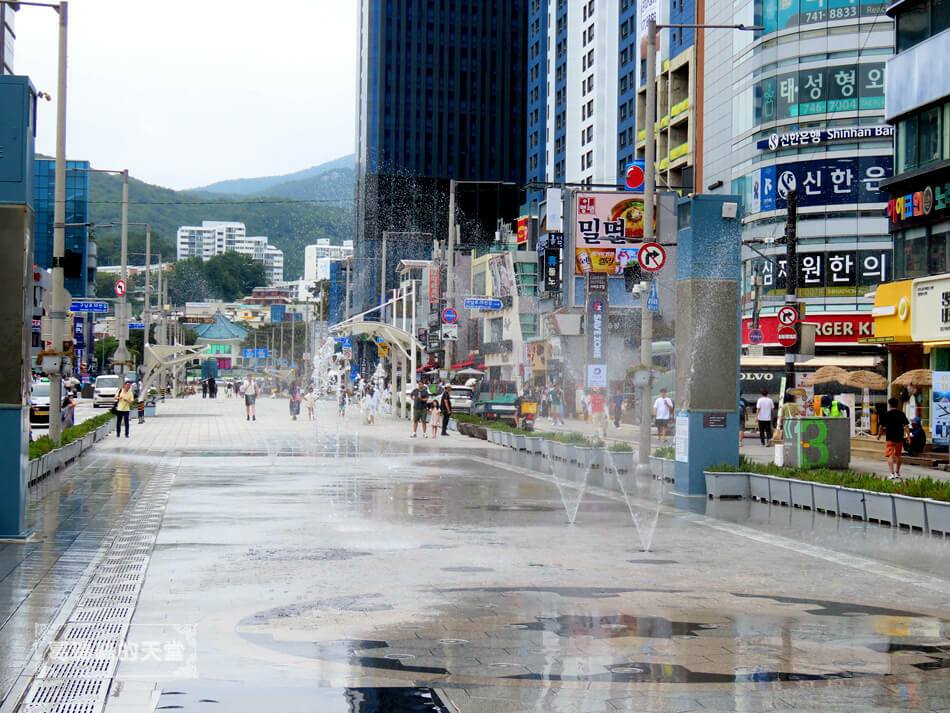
649 187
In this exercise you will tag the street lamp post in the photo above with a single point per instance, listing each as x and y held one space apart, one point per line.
649 188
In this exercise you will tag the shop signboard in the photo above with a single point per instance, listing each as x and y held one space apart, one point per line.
940 408
524 229
608 228
814 137
930 309
552 269
596 329
782 14
831 329
825 181
820 90
919 201
835 273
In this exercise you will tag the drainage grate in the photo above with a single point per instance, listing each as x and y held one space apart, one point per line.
66 691
74 632
101 614
76 669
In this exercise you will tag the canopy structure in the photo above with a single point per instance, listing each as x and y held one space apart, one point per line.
159 357
400 338
916 377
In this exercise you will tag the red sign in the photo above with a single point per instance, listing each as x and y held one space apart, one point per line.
832 329
787 336
523 225
651 256
434 282
634 177
120 287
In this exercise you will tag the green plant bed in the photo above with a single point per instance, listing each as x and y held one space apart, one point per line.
620 447
665 452
42 446
913 487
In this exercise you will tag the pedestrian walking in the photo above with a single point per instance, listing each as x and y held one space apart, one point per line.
310 401
598 411
894 427
662 414
250 398
557 406
420 400
764 408
228 389
617 405
374 399
124 401
295 398
343 400
445 406
204 388
435 412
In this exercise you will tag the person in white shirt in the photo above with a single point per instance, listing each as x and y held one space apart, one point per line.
662 413
250 398
764 408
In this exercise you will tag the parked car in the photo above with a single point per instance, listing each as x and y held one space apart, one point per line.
105 390
461 398
39 402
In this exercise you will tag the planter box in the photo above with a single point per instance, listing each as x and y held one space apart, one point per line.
519 442
570 452
35 469
583 456
879 507
149 411
910 513
532 444
493 435
825 498
759 487
938 516
669 469
727 485
548 448
780 491
480 432
802 494
598 458
621 460
851 503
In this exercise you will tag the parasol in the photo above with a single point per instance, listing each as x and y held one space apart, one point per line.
469 371
916 377
827 374
864 379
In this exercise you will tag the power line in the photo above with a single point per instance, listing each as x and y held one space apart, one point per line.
230 203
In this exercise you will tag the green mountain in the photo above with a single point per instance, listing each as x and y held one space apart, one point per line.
288 223
262 184
335 185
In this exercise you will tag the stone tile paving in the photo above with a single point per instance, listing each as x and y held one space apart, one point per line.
348 562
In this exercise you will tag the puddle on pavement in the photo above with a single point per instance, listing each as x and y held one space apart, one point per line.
236 697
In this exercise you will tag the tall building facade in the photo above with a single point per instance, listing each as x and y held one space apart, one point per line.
317 258
804 110
80 261
7 36
441 95
215 237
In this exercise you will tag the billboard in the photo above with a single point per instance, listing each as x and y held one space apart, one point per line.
821 90
608 228
502 270
596 329
822 182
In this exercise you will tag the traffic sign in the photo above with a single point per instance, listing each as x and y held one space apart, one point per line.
119 288
787 336
450 316
653 299
651 256
787 316
482 303
306 356
635 175
136 325
347 353
756 336
450 332
101 307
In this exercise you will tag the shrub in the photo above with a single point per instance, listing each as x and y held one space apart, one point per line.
43 445
665 452
620 447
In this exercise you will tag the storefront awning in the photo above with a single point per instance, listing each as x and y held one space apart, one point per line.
857 361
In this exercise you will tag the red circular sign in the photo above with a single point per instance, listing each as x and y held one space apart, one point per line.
651 256
635 176
787 336
120 287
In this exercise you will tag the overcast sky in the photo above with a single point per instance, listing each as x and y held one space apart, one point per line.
187 93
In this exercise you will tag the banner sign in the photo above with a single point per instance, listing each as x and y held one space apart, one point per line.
822 90
608 228
836 273
930 309
832 329
782 14
813 137
552 269
524 229
821 182
596 331
940 408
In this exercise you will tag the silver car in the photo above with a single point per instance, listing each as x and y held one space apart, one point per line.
105 390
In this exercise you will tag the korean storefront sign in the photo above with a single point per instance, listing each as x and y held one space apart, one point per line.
596 329
552 269
940 408
930 309
814 137
781 14
921 202
831 329
608 227
843 87
828 181
836 273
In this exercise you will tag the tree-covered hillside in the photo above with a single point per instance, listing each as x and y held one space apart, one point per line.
289 224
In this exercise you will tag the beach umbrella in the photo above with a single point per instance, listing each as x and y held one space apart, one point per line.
827 374
864 379
916 377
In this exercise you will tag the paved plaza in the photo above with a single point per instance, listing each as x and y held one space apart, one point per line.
239 565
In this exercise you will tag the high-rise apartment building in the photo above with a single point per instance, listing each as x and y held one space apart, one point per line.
214 237
800 106
7 35
441 95
317 258
80 261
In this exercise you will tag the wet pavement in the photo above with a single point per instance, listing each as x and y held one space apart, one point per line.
211 563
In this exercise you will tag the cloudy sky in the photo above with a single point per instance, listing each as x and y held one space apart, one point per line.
187 93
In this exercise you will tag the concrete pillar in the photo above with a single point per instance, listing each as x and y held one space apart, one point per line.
707 337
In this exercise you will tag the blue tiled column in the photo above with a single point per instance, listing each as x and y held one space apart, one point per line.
14 471
707 337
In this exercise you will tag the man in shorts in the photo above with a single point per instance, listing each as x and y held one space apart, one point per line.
420 403
662 413
894 425
250 399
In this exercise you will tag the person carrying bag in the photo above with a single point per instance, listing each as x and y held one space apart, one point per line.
124 400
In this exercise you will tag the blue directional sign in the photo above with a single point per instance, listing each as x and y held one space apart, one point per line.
136 325
345 341
255 353
89 307
653 299
482 303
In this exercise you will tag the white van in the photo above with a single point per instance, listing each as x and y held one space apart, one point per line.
105 390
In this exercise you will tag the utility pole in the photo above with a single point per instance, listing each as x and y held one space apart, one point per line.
791 282
121 355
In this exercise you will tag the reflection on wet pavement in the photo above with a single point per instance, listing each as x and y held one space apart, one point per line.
304 569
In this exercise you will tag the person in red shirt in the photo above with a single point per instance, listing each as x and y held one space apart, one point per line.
598 411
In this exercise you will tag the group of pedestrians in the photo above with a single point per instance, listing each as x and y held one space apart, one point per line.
428 405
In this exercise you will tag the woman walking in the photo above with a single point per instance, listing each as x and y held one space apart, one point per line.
294 392
123 405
